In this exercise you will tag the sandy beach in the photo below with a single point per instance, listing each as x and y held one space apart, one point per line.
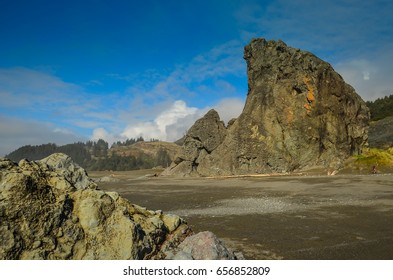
275 217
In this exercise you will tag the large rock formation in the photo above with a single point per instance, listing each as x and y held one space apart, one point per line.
51 209
201 140
299 114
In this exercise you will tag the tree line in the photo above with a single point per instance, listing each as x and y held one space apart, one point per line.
381 108
93 155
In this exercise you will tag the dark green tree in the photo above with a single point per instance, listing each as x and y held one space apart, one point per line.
100 149
381 107
162 158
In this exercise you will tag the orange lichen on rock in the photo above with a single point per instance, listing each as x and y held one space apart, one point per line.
290 116
307 106
310 97
311 90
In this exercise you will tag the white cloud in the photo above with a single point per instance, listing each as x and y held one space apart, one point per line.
178 116
15 133
179 110
203 76
344 27
21 86
42 96
102 133
366 75
156 106
370 78
173 123
357 69
223 60
205 80
353 35
229 108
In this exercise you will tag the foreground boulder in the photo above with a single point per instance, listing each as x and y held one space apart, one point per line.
51 209
202 246
299 114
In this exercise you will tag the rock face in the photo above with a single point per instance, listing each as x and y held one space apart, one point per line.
299 114
381 133
51 209
201 140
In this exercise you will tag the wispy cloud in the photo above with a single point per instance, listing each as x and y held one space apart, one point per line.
188 79
342 27
159 108
156 104
229 108
223 60
15 133
21 86
178 116
29 93
371 78
354 36
172 123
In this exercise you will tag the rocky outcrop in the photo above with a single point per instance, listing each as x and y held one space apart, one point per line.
381 133
51 209
299 114
201 140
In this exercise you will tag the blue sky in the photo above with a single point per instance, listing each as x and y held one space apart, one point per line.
88 69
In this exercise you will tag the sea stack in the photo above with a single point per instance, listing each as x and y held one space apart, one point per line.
299 114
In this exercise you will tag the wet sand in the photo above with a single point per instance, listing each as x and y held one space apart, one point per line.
286 217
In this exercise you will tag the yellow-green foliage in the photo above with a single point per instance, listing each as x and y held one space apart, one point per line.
376 156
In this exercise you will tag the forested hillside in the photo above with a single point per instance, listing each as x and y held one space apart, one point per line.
98 156
381 108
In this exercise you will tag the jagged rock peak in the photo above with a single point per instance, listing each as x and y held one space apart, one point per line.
63 164
209 130
299 114
201 140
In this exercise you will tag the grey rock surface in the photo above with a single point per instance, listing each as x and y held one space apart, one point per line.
202 246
